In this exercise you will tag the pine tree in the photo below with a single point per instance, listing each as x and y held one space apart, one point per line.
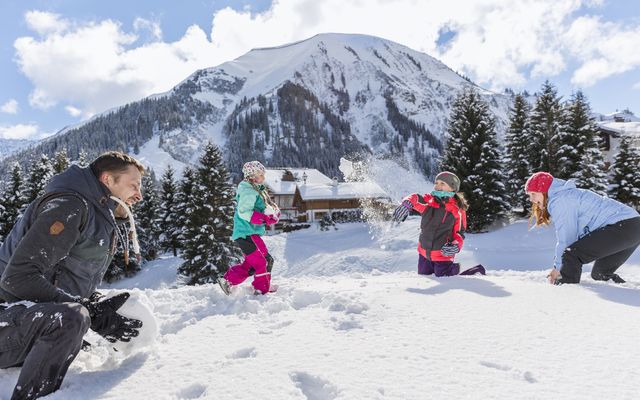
584 162
146 212
546 130
592 172
185 195
40 175
472 153
208 249
12 201
517 144
83 159
168 213
60 161
626 175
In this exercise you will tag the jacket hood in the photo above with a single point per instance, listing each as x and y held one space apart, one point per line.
559 185
84 182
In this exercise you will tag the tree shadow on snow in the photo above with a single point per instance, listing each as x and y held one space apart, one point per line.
468 283
617 294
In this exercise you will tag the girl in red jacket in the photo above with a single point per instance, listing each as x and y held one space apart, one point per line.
443 224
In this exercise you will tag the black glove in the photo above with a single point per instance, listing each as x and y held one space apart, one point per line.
450 249
402 211
106 322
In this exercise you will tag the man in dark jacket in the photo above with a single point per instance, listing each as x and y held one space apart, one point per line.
50 266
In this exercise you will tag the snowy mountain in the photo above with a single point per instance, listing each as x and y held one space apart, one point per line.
303 104
10 146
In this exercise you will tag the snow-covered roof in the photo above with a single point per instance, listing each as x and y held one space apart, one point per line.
273 179
346 190
631 129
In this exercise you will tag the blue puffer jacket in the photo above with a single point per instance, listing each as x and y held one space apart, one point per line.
576 212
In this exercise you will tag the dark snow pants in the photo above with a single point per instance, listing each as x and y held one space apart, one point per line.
609 246
44 339
439 268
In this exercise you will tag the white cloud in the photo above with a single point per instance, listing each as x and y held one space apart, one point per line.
45 23
19 131
637 86
604 49
73 111
10 107
153 27
497 43
97 66
100 64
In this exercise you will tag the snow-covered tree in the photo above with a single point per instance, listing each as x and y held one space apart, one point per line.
39 176
60 161
147 212
583 159
518 141
168 221
626 175
472 153
593 174
208 249
83 159
12 201
547 124
185 195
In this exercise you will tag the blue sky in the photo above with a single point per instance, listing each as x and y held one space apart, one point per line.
62 61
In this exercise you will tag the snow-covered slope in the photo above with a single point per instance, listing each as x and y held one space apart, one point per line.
10 146
365 66
352 320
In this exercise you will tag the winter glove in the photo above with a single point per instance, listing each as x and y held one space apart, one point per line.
106 322
450 249
402 212
258 218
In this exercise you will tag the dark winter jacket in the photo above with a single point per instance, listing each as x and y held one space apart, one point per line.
62 245
442 222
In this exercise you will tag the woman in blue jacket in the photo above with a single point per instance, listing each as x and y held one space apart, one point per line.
589 228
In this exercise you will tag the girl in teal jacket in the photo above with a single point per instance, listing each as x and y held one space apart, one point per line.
254 211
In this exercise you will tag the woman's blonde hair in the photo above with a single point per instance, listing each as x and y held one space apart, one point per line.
540 215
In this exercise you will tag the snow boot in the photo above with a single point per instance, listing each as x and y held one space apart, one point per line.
272 289
605 277
225 286
478 269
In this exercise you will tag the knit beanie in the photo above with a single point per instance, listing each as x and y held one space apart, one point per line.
450 179
252 169
539 182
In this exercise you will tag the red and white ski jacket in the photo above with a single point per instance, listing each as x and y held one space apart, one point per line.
442 221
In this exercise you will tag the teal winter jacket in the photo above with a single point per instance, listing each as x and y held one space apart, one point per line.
248 200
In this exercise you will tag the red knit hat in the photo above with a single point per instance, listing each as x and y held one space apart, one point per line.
539 182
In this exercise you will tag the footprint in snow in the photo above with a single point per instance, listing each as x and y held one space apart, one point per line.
249 352
314 387
194 391
516 373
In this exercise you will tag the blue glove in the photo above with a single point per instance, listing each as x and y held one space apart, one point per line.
450 249
402 211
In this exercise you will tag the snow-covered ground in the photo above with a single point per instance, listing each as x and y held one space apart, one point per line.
352 320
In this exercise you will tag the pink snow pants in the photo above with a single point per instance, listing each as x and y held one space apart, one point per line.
256 259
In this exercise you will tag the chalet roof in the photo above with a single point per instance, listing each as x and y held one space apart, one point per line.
273 179
616 129
342 191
